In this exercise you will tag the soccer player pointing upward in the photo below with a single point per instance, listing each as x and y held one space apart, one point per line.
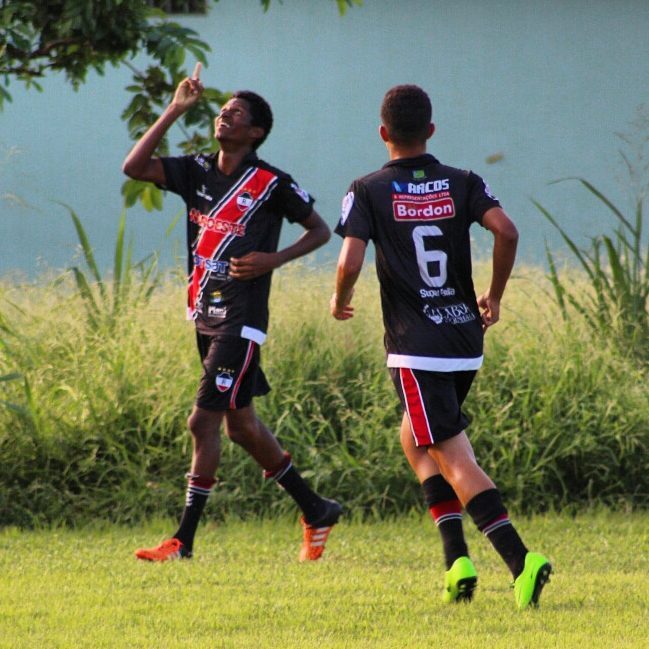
235 207
418 212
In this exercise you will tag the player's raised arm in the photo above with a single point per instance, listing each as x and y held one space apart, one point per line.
140 163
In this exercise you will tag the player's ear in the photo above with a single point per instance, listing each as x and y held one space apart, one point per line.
431 130
383 132
257 132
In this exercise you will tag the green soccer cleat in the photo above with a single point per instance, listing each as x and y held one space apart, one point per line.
460 581
529 584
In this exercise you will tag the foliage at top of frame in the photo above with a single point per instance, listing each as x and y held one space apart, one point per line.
75 37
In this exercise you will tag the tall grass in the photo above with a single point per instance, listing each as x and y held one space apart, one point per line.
617 264
98 423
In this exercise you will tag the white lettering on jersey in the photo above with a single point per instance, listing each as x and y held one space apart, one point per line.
421 208
428 187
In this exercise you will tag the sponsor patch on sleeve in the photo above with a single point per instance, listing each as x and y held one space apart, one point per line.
348 202
488 192
300 192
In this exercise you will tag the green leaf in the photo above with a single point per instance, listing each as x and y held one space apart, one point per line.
86 248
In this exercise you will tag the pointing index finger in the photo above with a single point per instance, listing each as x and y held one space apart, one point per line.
197 71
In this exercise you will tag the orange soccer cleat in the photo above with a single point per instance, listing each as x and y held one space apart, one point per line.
166 551
315 535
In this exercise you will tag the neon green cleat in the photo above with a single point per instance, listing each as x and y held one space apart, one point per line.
529 584
460 581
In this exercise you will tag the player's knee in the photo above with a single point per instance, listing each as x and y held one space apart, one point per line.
199 426
240 435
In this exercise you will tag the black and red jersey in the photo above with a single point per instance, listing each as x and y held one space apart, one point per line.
230 216
418 212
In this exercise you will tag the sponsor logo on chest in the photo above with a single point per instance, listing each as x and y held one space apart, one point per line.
214 224
424 201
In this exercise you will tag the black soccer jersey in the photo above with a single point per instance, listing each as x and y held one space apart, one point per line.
418 213
230 216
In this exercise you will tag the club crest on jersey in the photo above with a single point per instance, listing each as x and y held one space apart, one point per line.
244 201
224 381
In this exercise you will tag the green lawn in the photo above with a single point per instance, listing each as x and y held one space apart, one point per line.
377 586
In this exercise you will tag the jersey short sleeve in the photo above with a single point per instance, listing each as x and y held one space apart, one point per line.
355 218
291 200
479 197
177 174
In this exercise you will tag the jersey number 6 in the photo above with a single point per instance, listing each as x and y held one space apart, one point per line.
426 257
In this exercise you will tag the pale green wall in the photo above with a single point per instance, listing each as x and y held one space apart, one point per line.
547 84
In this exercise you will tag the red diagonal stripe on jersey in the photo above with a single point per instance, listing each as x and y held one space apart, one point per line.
415 408
209 240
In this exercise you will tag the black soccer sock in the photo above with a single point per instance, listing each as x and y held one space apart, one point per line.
198 490
287 477
489 514
446 510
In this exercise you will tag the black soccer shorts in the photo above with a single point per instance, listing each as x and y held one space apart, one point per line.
432 401
232 375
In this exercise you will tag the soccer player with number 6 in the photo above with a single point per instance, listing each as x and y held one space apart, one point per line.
418 212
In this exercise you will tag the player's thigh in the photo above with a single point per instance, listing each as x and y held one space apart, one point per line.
232 374
430 400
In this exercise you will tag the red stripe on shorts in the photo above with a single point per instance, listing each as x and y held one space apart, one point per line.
415 408
242 373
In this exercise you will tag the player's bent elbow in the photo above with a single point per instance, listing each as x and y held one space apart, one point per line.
325 235
129 169
510 233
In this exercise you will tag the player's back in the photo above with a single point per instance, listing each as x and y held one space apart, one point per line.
418 213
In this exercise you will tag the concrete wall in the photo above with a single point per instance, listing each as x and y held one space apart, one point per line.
542 86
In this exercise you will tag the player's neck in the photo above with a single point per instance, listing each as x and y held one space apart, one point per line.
397 151
229 159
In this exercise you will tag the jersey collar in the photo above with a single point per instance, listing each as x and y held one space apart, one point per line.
417 161
250 160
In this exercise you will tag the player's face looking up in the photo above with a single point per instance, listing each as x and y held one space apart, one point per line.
234 124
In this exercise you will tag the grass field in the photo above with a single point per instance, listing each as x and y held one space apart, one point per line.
378 586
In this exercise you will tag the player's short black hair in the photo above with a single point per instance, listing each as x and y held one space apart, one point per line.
406 113
260 112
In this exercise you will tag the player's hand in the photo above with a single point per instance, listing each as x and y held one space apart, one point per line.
253 265
341 312
189 90
490 310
